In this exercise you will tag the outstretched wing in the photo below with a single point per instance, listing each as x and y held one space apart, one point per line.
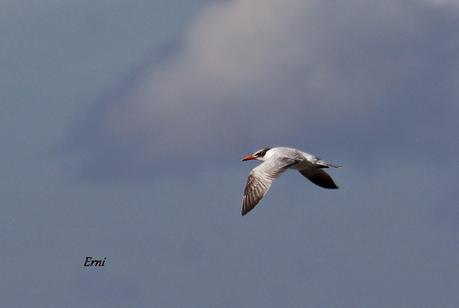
318 177
260 180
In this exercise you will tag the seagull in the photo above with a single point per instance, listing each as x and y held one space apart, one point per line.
275 162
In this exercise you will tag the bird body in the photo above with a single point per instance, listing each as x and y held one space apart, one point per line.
275 162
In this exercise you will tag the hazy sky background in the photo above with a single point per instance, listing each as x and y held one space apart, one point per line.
124 122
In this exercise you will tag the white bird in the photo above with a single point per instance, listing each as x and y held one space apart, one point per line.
275 162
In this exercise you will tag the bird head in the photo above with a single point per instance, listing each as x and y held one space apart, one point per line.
258 155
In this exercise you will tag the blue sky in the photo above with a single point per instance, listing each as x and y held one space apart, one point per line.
123 126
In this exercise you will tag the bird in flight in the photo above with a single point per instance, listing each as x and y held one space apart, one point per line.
275 162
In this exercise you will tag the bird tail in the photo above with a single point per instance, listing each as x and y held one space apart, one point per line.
324 164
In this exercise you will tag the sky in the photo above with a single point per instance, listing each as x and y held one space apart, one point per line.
124 124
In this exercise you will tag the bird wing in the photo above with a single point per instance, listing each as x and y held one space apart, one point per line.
318 177
260 179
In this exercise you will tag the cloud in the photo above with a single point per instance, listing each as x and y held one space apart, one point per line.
250 73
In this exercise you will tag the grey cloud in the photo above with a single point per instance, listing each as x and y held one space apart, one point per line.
249 73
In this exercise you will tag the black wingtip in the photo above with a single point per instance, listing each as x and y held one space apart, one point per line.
331 185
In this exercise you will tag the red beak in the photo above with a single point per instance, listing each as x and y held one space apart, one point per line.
249 157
